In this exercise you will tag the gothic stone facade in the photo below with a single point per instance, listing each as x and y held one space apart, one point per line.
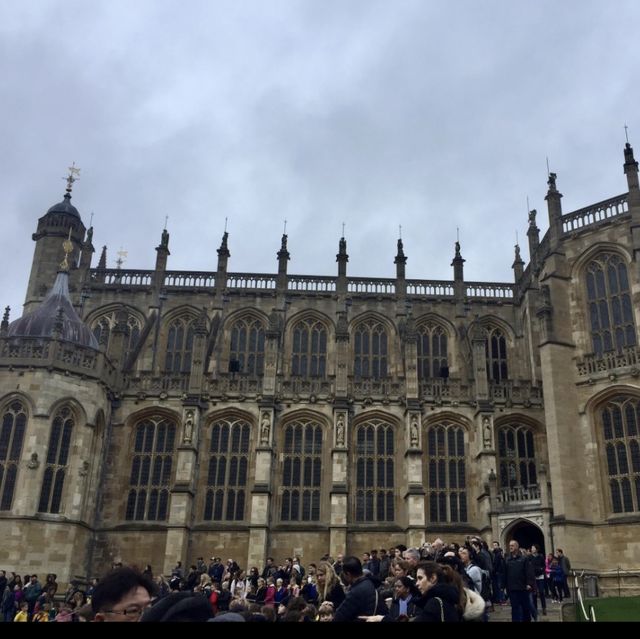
246 415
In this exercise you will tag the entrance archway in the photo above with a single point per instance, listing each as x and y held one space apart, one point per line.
526 534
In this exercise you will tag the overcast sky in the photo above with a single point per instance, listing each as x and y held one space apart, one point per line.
430 115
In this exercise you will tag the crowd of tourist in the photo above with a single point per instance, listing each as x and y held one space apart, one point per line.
438 583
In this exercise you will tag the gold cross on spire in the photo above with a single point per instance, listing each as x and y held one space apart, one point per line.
74 174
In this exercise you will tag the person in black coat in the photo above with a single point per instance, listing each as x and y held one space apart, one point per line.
440 593
362 598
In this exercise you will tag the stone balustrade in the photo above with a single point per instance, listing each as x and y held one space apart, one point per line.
371 286
519 495
612 362
516 392
437 389
311 284
121 277
488 290
376 390
189 279
154 384
56 354
232 384
596 214
251 281
301 386
430 288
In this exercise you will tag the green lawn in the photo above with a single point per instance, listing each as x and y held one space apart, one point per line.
613 609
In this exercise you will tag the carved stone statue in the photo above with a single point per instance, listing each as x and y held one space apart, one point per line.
34 462
486 432
340 431
188 427
265 427
84 469
413 433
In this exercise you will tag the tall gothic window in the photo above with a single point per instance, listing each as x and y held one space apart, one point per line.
610 308
622 445
247 346
496 353
309 351
370 350
103 326
227 474
446 475
150 479
516 456
179 345
432 351
301 471
55 470
374 464
14 423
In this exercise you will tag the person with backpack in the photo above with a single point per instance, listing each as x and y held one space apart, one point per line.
477 579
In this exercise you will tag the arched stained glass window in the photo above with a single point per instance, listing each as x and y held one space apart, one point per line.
301 471
14 424
57 461
102 328
516 456
610 306
179 345
496 353
432 351
225 498
246 355
370 346
151 469
374 472
622 452
446 473
309 349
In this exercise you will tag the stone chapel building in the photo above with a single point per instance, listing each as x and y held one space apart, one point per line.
150 416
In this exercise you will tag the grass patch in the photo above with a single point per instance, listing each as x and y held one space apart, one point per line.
612 609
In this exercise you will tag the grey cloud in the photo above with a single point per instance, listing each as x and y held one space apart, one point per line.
430 115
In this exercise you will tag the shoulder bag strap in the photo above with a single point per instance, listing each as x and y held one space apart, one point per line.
441 609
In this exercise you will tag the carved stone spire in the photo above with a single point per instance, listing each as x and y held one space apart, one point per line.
400 256
342 258
458 274
554 207
631 171
283 258
518 264
162 253
102 262
4 327
400 261
458 265
533 233
223 258
223 251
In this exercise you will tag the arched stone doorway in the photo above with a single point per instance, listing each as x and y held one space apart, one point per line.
525 533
